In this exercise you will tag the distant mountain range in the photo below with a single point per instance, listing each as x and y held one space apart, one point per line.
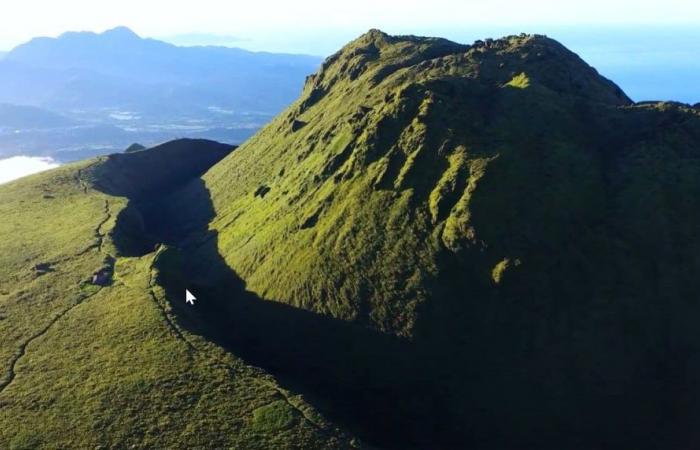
146 86
119 69
30 117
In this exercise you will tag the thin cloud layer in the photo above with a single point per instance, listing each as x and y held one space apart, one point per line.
20 166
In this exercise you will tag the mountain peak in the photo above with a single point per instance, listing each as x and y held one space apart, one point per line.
375 33
376 56
121 32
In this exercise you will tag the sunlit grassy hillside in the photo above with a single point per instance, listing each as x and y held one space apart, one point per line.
528 231
438 245
90 366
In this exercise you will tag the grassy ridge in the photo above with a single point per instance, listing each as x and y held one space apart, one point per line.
109 367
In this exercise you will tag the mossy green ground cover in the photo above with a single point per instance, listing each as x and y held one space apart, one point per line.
502 208
85 366
380 179
443 246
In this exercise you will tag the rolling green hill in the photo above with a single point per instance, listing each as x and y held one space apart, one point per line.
91 366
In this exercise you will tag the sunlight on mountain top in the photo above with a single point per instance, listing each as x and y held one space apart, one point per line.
520 81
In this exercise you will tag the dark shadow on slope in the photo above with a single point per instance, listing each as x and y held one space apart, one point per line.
486 392
479 393
372 384
375 385
157 171
148 178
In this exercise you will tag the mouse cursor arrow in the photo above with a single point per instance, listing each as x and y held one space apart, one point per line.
189 298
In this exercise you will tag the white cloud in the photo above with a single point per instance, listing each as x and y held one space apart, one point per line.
20 166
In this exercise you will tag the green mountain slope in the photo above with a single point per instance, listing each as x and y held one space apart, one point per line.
437 246
394 128
513 239
86 365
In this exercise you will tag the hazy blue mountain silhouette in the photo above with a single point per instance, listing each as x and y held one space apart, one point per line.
118 68
31 117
